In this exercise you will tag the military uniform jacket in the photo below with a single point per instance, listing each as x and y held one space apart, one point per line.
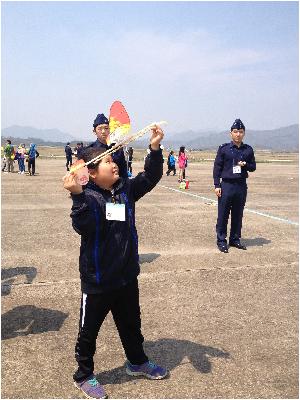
68 151
227 157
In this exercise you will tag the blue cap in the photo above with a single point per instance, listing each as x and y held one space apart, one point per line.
238 124
100 120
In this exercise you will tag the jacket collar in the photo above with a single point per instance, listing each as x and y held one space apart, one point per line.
234 145
117 187
100 144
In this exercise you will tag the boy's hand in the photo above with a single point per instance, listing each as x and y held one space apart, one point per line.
156 137
71 184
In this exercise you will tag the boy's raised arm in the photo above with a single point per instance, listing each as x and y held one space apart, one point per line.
146 180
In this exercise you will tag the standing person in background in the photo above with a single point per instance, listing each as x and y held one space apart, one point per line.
81 146
69 153
101 130
232 163
17 157
9 153
32 155
129 154
186 164
171 163
21 158
75 151
4 163
182 159
78 150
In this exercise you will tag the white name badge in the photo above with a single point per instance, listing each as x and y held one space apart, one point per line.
237 169
115 212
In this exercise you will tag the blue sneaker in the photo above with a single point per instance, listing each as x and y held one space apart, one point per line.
148 369
91 388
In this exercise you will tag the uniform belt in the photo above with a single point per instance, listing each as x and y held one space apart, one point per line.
237 181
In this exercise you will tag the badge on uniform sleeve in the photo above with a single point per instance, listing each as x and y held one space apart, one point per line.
115 212
237 169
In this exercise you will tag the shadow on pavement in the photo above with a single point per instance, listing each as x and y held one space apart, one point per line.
259 241
27 320
148 258
169 353
9 273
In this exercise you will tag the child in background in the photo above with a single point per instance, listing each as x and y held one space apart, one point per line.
171 163
9 152
21 158
3 163
182 162
104 215
32 155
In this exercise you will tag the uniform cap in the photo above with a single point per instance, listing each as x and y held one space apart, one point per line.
238 124
100 120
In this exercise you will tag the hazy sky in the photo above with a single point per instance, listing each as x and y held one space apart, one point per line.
198 65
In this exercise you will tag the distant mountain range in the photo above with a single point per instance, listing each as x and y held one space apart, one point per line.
281 139
48 135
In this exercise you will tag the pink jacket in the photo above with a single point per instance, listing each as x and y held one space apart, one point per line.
181 160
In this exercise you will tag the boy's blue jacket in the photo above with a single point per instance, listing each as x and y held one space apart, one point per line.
109 249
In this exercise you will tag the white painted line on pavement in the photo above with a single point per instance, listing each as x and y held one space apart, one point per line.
287 221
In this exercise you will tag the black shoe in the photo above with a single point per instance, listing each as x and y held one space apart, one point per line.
238 245
223 248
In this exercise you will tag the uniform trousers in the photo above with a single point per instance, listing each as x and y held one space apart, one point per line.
232 200
69 162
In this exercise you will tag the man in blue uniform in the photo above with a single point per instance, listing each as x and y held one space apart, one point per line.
69 153
101 130
232 163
